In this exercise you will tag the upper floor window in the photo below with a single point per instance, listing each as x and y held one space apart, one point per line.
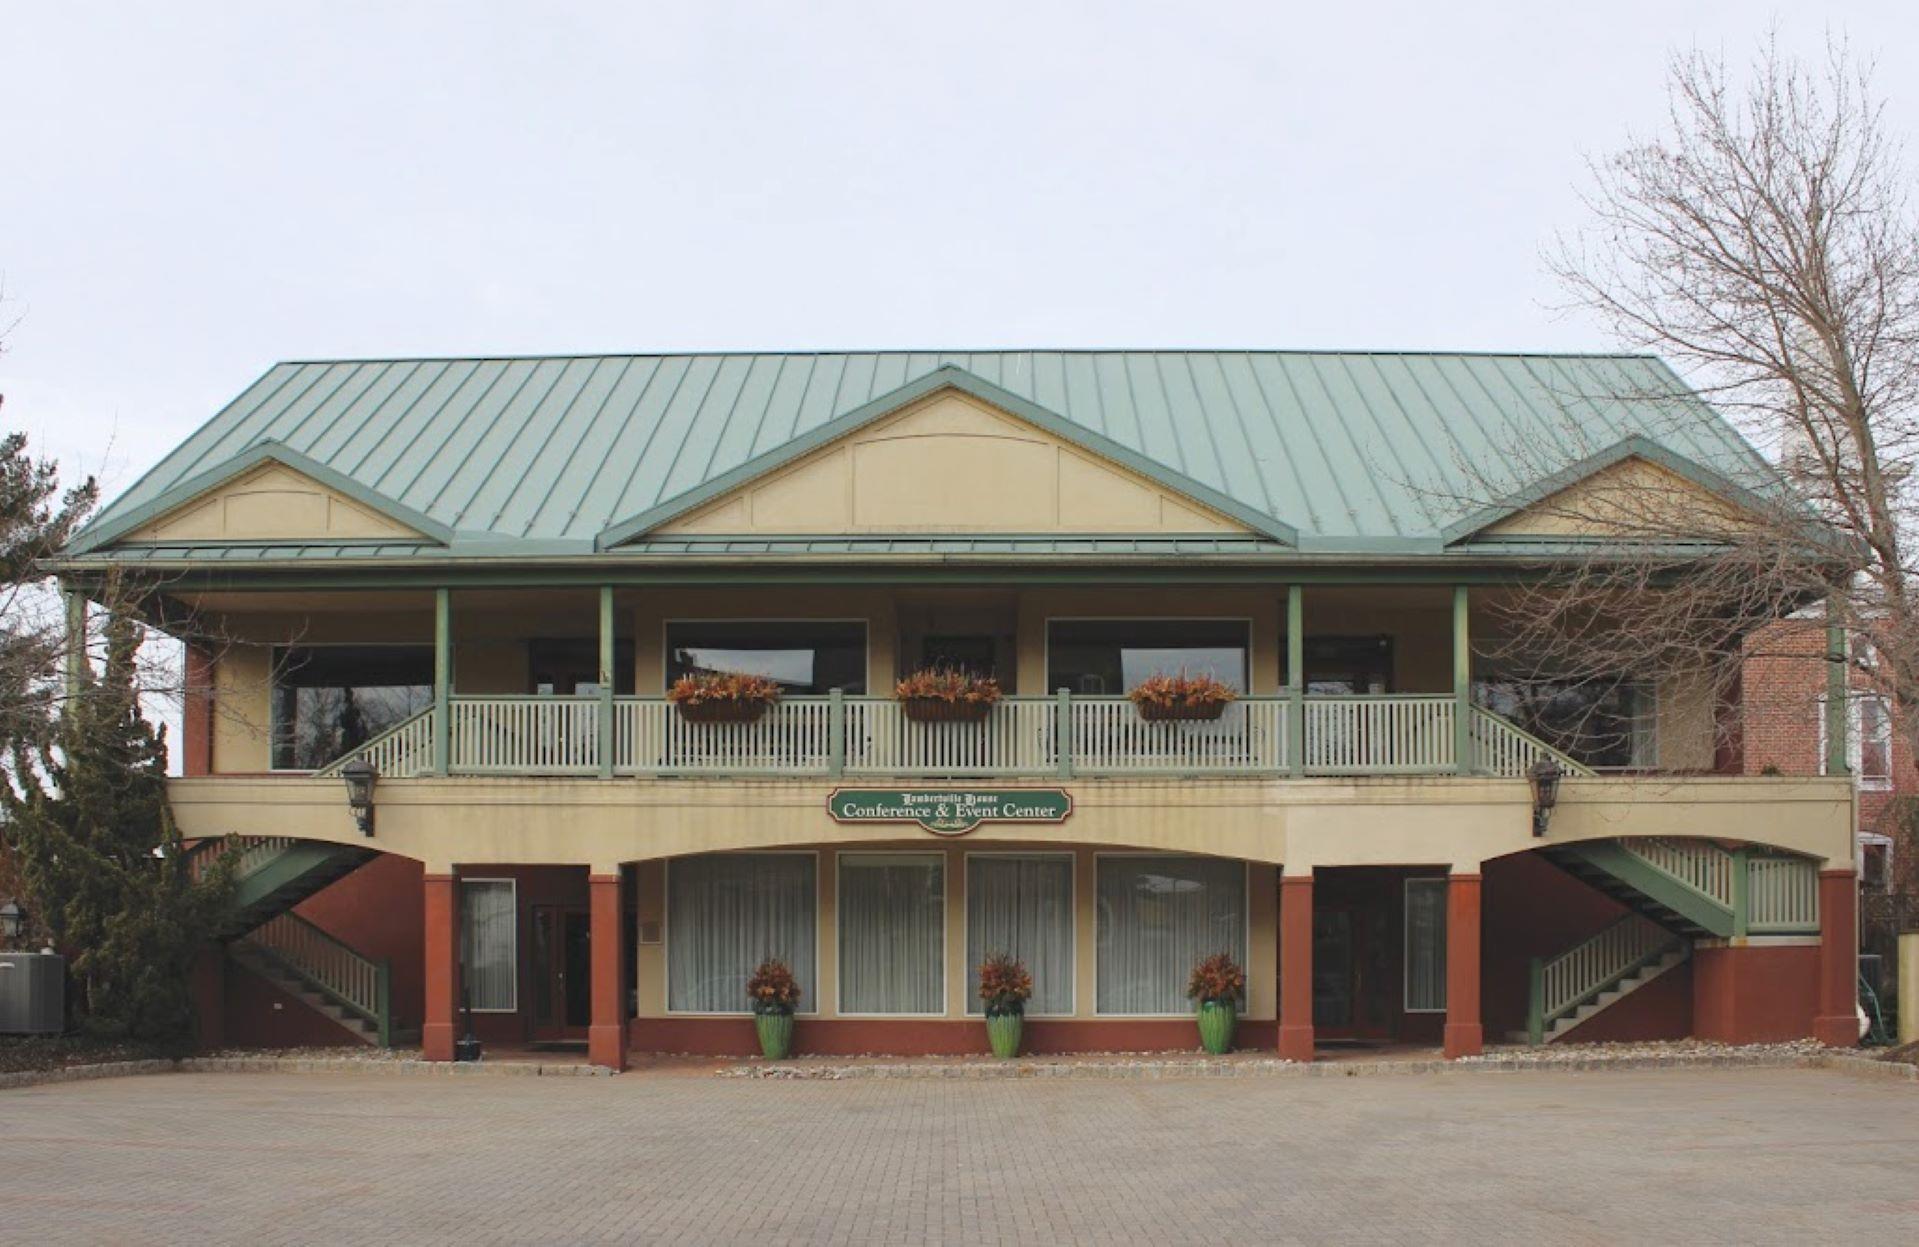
1106 657
328 699
1607 724
1869 740
803 656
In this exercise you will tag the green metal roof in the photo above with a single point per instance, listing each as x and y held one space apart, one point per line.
1319 451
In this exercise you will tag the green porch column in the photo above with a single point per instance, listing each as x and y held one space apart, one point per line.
1296 680
1838 756
607 669
73 667
1462 684
442 680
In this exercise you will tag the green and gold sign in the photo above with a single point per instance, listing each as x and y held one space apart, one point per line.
949 811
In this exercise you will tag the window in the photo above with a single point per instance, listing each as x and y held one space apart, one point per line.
892 933
1426 945
1157 917
726 913
490 945
803 656
1868 740
1875 862
1106 657
1607 724
329 699
1022 904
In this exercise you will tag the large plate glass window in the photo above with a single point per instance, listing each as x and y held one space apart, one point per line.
892 933
1158 916
1022 904
329 699
726 913
803 656
1606 723
1425 945
1106 657
490 945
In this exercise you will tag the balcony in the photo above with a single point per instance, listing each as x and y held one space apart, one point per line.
1062 736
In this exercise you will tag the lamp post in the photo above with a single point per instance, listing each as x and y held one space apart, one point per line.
13 921
360 778
1544 776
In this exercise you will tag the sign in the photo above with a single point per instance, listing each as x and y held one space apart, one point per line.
949 811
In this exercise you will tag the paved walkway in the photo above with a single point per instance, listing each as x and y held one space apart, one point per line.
1701 1156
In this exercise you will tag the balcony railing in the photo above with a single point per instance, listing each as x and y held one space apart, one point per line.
1058 736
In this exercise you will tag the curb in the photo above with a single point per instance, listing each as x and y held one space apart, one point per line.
299 1065
83 1073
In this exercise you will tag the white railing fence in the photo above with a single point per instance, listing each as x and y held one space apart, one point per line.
652 737
1379 735
1561 984
1782 894
350 978
1699 864
1110 738
402 751
1015 738
525 735
1502 748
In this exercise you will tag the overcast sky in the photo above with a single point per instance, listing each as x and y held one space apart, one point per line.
189 192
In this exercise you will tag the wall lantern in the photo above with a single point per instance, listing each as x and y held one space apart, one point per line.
1544 776
360 778
13 921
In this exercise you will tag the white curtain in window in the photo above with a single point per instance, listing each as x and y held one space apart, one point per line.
1024 906
1425 945
489 943
726 913
892 933
1158 916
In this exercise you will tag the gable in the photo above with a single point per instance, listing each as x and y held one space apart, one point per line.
273 502
1633 497
950 462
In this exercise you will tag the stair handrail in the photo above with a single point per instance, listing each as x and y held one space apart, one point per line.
1704 867
1485 720
249 853
401 762
330 966
1561 984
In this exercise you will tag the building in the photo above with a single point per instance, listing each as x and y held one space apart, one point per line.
480 576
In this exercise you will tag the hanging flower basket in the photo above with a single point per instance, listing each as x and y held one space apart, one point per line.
714 697
1180 698
937 710
947 695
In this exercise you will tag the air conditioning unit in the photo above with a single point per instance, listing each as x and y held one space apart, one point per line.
33 988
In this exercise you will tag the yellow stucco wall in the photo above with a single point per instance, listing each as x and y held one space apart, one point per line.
272 502
1262 921
951 463
1634 497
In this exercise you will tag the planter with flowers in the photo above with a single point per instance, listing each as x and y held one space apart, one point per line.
947 695
774 994
1182 697
1216 988
721 697
1005 987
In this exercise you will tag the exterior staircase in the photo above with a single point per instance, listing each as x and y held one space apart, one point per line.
1676 891
272 874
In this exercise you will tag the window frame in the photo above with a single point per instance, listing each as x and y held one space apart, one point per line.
1245 924
839 929
866 641
1406 943
666 933
1072 913
274 649
513 887
1050 620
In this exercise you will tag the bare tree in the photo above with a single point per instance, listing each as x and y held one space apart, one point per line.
1763 243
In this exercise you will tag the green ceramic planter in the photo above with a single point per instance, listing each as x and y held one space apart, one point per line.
1003 1031
776 1034
1217 1021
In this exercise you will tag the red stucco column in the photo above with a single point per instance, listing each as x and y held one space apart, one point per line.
1465 1036
442 980
196 716
1837 1023
606 1038
1296 967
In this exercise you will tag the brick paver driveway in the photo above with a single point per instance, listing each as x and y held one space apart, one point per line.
1797 1156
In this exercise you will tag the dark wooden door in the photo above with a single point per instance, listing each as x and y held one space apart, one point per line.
1352 971
562 972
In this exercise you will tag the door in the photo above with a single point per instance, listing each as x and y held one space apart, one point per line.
1352 971
562 972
